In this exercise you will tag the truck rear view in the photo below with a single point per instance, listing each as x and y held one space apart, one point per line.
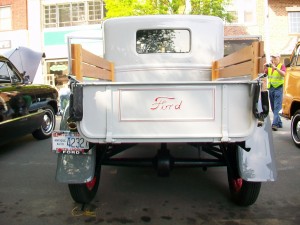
167 83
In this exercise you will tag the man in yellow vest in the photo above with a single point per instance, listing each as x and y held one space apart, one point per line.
276 72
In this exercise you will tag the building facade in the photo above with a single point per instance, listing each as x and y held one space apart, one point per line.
50 22
276 22
13 23
63 19
44 26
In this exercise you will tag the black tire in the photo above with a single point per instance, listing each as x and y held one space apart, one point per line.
48 124
295 128
85 192
243 193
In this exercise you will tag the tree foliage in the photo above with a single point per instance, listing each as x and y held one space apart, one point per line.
118 8
211 7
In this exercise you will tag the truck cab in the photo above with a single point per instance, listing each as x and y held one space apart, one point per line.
291 94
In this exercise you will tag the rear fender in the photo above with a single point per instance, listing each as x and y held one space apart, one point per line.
258 165
74 168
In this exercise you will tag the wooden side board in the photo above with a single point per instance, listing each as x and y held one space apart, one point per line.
87 64
247 61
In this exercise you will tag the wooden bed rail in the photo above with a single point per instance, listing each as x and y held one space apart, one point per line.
86 64
247 61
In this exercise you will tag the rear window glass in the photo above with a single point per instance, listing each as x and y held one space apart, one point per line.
163 41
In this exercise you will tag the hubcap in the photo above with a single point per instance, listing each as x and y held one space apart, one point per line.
297 129
47 123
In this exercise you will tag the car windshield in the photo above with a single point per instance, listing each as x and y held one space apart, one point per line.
8 74
296 58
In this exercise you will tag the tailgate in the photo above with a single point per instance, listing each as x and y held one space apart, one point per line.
171 112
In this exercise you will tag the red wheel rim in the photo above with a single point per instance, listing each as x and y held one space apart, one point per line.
237 184
90 185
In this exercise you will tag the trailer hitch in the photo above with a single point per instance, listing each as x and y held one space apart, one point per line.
163 161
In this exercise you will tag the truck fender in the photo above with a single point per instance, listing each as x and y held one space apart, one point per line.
76 169
73 168
258 165
260 103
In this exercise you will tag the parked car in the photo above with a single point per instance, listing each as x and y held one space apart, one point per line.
291 93
24 107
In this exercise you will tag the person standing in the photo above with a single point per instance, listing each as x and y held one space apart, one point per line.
276 72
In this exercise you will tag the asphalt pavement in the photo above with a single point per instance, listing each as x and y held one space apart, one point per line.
29 193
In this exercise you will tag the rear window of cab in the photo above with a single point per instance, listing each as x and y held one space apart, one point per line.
163 41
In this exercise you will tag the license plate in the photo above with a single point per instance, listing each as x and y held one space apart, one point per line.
69 142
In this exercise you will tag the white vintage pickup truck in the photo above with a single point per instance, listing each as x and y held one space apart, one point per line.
163 80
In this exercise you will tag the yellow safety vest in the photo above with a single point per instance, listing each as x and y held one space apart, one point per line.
275 79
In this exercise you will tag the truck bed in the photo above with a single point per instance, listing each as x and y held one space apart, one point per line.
166 112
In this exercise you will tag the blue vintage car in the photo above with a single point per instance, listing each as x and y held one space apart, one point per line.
24 107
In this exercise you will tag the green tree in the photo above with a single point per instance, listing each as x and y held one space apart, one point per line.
211 7
118 8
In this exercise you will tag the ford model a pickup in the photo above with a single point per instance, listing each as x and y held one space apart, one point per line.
163 80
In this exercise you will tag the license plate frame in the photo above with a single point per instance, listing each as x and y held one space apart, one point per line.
68 142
